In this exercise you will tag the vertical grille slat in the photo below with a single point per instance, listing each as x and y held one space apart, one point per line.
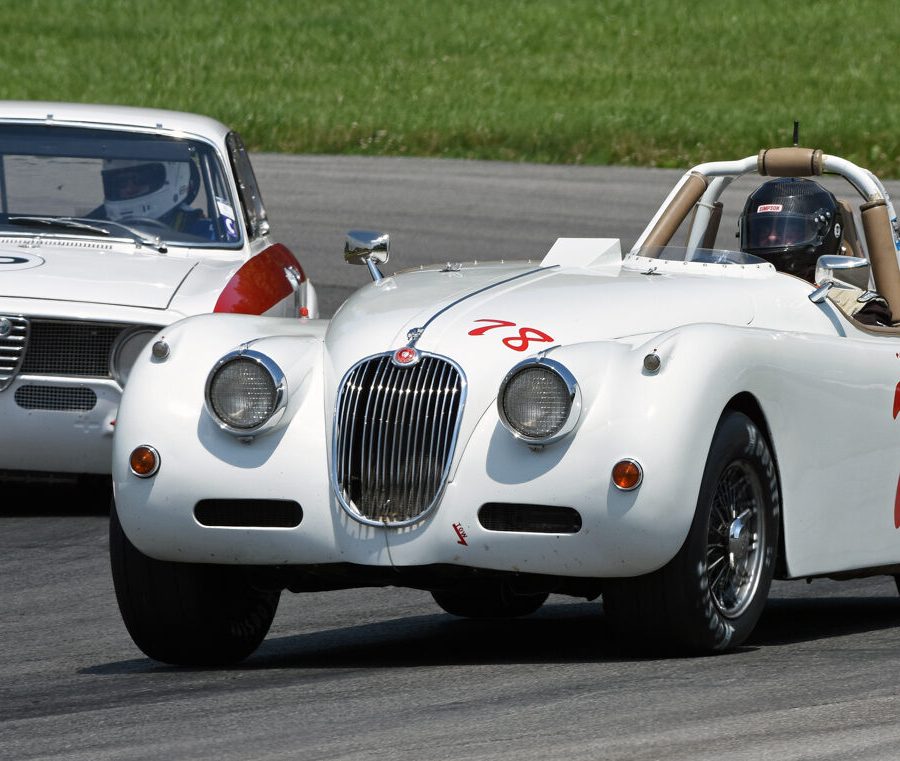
379 423
394 434
398 451
423 456
440 437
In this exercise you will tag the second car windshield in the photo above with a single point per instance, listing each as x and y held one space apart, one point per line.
170 188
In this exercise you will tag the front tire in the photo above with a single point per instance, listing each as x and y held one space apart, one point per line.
187 613
710 596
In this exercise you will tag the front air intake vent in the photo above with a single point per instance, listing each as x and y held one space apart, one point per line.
532 519
55 398
395 429
248 513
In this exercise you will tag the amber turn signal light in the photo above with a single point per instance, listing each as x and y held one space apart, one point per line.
144 461
627 474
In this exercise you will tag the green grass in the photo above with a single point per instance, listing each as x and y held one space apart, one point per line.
657 83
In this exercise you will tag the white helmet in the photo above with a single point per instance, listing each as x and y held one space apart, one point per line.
144 188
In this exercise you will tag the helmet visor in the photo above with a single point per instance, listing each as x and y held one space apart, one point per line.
768 230
133 181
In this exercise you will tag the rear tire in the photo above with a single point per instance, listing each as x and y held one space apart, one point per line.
488 600
187 614
710 596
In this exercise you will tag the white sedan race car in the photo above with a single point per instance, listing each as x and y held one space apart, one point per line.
115 222
670 429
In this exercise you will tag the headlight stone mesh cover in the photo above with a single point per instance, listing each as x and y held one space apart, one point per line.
394 433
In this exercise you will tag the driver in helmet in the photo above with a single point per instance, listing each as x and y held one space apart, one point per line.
135 190
790 222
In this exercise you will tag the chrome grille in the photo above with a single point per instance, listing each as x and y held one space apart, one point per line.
394 433
13 339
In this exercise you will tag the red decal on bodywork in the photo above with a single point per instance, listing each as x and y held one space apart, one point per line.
526 335
260 283
896 401
461 533
518 342
897 506
497 324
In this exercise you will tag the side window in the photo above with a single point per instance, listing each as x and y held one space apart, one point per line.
251 200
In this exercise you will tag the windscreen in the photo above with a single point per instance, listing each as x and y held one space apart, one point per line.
167 187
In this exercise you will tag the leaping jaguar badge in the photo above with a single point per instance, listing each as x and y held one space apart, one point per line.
406 357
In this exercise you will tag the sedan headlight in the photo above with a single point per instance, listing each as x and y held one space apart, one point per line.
539 401
126 350
245 392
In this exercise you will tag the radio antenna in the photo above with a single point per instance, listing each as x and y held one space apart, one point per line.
796 133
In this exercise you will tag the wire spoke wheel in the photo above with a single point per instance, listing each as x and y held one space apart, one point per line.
734 552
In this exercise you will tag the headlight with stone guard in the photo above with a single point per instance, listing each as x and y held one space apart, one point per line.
245 392
539 401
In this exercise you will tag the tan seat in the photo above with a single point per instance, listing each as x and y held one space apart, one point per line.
851 246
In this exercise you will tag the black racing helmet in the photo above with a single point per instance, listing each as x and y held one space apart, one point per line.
791 222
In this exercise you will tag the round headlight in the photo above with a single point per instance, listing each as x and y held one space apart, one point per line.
244 391
126 350
539 401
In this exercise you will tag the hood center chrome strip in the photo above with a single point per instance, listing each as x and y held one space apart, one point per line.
416 333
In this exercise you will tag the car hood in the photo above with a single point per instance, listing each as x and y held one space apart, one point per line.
515 311
90 272
488 318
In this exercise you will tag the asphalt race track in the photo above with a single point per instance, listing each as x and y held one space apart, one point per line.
384 674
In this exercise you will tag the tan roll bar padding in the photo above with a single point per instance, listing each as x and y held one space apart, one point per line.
676 212
712 229
882 252
789 162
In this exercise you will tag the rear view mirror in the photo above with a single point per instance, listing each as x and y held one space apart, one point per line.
362 246
848 269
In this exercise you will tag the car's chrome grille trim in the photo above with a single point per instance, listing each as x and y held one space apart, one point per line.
395 431
13 340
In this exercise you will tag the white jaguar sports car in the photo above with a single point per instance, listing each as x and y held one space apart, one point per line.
115 222
669 428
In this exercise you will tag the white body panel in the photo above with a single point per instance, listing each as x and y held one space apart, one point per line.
56 276
825 388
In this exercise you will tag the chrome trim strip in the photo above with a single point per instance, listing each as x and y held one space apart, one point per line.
13 343
416 333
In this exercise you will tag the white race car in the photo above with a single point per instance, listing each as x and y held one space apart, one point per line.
669 429
115 222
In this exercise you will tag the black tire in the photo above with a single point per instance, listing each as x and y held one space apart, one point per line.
706 600
187 614
488 599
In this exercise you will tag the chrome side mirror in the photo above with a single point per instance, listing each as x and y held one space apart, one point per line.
367 247
827 265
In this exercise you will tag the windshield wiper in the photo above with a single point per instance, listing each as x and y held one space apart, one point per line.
66 223
88 226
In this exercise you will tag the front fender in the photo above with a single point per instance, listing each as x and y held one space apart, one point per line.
163 405
664 420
